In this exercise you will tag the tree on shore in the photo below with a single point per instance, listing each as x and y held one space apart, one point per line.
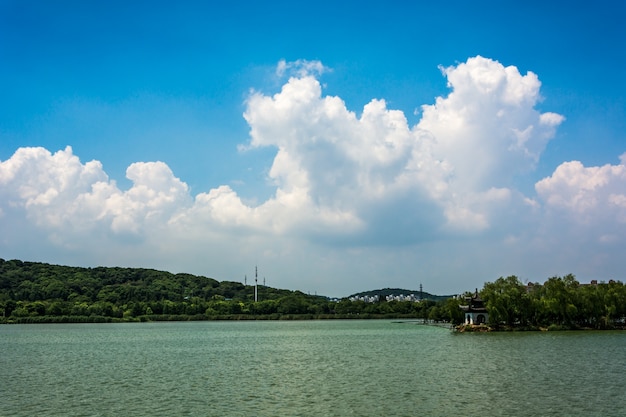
559 301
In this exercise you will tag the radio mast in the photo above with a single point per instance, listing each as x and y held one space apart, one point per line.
256 279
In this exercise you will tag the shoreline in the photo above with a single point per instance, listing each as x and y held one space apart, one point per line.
483 328
462 328
202 317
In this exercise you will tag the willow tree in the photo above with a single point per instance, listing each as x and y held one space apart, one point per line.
507 301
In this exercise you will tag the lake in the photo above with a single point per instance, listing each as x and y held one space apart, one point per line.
306 368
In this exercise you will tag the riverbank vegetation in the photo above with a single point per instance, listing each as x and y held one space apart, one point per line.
32 292
559 303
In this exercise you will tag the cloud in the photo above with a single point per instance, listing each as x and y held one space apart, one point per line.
592 196
46 185
348 186
59 193
300 68
338 175
487 128
460 157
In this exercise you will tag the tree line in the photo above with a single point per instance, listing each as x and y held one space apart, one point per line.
39 292
558 303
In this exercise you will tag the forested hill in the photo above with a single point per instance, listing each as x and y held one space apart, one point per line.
33 281
32 292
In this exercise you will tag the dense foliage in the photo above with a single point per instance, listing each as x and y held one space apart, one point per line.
38 292
560 302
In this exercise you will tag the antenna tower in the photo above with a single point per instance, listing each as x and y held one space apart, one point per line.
256 292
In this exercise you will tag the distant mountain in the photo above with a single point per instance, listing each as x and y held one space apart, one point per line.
398 291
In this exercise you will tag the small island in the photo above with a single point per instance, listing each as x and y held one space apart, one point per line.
560 303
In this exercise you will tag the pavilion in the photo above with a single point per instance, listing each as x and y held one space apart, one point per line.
475 311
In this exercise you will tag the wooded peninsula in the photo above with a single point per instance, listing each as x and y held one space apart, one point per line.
33 292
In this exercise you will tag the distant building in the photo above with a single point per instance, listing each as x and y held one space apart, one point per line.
365 298
475 310
391 297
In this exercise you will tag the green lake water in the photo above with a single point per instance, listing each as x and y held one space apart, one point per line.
306 368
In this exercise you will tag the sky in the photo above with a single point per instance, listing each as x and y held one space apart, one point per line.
338 146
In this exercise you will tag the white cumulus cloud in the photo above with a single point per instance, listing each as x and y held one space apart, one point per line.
590 195
58 192
337 173
343 178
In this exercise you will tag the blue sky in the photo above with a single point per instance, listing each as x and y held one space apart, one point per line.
341 147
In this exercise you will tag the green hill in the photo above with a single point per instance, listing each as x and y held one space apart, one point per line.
34 281
34 292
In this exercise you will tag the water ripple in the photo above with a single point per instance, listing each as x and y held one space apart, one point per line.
329 368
